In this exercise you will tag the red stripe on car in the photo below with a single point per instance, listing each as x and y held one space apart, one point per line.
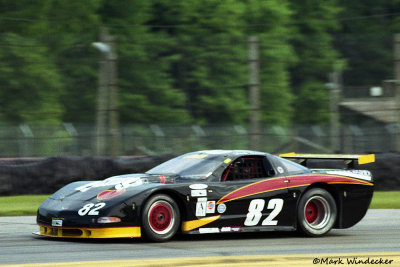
288 182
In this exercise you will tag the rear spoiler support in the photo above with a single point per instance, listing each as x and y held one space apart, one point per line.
349 160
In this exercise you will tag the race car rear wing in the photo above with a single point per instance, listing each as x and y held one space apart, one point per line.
349 160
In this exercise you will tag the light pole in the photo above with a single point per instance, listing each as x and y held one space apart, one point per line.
254 92
334 87
107 119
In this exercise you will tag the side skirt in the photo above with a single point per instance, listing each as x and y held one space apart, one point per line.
239 229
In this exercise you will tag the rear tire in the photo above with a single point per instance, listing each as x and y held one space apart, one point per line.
160 218
316 212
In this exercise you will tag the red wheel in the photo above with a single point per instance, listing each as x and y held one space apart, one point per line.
160 218
311 212
316 212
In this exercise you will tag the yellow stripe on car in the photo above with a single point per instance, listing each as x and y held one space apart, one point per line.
109 232
190 225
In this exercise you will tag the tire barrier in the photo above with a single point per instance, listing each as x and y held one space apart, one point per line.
46 175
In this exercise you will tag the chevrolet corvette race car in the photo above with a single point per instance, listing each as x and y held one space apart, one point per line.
213 191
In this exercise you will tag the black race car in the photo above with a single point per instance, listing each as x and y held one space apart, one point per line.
213 191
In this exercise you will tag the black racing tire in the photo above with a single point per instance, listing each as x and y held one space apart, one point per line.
316 212
160 218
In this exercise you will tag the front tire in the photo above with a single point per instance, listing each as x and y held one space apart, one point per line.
316 212
160 218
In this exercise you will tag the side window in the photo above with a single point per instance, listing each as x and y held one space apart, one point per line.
291 167
247 168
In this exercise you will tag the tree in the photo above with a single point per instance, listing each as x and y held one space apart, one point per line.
314 23
146 91
276 55
68 28
209 56
65 30
30 83
366 40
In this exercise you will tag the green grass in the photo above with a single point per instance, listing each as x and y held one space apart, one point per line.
27 205
20 205
386 200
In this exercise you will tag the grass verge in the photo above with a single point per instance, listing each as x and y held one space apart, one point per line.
386 200
21 205
28 204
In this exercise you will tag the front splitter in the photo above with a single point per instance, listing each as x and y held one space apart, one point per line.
76 232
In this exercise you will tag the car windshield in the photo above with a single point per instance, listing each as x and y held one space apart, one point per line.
193 166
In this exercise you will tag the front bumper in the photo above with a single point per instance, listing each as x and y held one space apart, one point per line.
76 232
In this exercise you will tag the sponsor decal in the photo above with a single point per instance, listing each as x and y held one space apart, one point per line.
221 208
56 222
280 169
232 229
210 206
198 186
199 193
108 194
201 207
208 230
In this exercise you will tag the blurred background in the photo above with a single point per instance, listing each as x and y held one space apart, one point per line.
97 77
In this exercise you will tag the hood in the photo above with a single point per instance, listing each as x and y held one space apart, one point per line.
109 188
358 174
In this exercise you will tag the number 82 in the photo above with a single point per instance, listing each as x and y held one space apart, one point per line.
255 212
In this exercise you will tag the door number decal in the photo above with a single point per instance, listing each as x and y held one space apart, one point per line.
255 212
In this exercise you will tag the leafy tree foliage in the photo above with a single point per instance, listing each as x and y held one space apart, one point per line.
368 43
68 28
276 55
147 93
313 43
30 85
208 60
186 61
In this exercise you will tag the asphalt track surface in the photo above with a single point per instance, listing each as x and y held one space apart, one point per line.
376 236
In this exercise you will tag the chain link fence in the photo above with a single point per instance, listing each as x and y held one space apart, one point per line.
80 139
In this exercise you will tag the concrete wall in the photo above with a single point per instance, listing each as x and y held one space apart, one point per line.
45 176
